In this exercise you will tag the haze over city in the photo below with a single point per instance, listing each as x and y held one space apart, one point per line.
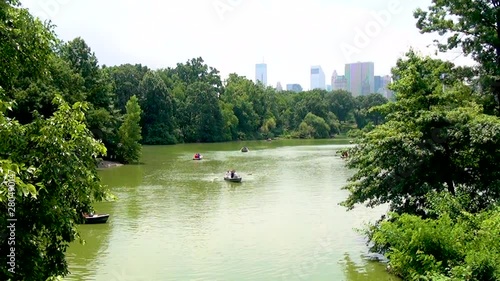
234 35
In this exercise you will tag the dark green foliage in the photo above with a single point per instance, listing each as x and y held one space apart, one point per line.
431 141
156 103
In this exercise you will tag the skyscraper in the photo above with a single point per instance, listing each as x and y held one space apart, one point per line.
317 78
279 87
360 78
338 82
261 73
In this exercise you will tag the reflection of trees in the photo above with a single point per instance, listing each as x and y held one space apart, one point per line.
366 271
124 182
81 257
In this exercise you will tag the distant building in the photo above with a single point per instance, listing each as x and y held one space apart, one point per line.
317 78
338 82
294 88
279 88
328 87
261 73
360 78
377 82
381 86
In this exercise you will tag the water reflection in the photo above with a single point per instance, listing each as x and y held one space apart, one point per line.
81 257
365 270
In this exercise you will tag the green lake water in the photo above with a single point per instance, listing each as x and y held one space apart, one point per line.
177 219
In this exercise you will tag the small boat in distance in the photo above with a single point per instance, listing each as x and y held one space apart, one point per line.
235 179
95 218
232 176
197 156
244 149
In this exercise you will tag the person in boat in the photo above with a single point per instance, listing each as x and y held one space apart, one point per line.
233 172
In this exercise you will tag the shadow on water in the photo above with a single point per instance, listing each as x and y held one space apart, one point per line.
81 257
365 270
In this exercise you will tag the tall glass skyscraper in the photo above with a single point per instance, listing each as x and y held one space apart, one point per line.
360 78
317 78
261 73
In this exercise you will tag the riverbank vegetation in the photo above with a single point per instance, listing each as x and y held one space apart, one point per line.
434 160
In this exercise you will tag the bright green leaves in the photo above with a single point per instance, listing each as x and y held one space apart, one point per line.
313 127
455 245
25 46
50 178
12 186
129 133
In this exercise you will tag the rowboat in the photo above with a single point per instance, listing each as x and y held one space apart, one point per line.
96 218
235 179
200 158
244 149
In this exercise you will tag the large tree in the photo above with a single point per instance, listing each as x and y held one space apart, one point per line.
50 178
473 26
156 103
431 141
129 134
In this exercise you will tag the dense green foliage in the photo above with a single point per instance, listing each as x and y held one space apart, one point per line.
51 163
434 159
129 134
474 27
431 140
452 245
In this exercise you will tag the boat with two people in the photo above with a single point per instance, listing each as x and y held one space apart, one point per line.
232 176
345 154
244 149
95 218
197 156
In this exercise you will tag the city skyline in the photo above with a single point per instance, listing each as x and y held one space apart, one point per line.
380 31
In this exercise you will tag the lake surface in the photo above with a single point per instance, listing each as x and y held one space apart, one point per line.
177 219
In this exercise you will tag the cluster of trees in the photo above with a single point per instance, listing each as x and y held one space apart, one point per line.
190 103
434 159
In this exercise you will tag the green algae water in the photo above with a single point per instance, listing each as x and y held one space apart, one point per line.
177 219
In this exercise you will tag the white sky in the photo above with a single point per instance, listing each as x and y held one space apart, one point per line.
234 35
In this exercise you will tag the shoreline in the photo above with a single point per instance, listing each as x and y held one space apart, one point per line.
105 164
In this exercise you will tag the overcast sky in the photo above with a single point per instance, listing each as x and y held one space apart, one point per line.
233 35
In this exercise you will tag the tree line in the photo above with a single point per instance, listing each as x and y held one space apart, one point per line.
182 104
